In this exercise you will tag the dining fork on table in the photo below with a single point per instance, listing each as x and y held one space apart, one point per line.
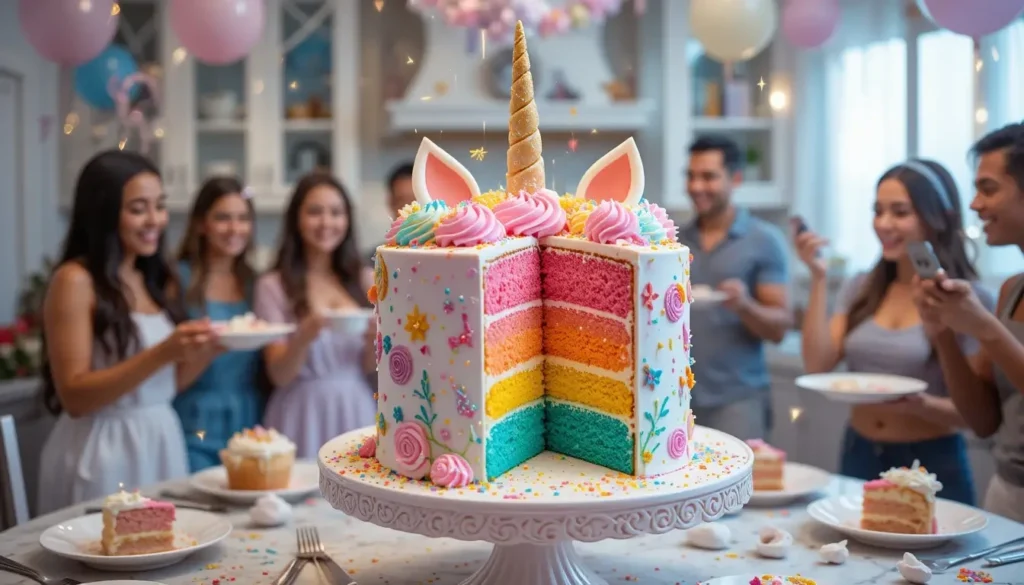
10 565
942 565
310 550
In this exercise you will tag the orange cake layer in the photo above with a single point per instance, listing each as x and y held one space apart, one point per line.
587 339
513 339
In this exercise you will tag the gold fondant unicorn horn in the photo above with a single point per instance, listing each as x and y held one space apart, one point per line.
525 158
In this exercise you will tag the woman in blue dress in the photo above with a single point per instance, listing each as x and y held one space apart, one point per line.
217 282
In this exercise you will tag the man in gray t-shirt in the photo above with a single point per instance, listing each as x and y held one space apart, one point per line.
746 259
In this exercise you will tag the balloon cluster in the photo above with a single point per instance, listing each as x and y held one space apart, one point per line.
973 19
498 17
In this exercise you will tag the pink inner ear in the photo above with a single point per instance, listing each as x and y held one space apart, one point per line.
445 183
613 182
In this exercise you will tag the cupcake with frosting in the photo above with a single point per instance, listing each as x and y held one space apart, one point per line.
258 459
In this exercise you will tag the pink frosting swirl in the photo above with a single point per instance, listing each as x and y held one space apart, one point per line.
368 448
666 222
677 444
389 238
532 214
612 223
451 470
469 225
412 450
674 302
400 365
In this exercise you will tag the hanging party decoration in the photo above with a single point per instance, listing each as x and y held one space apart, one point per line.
132 113
497 18
68 33
809 23
93 79
733 30
218 32
974 19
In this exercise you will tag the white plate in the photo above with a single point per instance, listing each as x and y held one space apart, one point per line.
703 293
843 515
122 583
214 481
743 579
856 388
255 339
798 480
351 321
79 540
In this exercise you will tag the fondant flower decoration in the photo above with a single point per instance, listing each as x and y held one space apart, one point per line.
616 176
674 299
382 424
652 377
368 448
649 296
412 449
437 176
677 444
398 414
400 366
380 277
452 471
416 324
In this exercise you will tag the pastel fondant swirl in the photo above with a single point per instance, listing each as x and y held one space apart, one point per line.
532 214
612 223
412 450
659 213
677 444
368 448
451 470
400 365
674 302
469 225
391 238
650 228
418 228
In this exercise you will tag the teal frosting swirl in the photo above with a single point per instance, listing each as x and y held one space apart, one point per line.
418 228
650 228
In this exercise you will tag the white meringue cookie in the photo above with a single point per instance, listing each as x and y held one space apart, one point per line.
710 536
913 570
834 553
774 543
270 510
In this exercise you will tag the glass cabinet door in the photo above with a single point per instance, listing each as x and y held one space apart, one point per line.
221 120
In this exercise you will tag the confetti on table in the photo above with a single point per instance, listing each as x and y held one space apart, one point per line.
968 576
478 153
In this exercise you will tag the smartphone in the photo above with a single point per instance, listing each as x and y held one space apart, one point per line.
926 264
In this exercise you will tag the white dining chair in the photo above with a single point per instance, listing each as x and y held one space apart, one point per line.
13 501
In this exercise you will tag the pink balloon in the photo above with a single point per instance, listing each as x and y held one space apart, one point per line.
975 19
809 23
218 32
69 33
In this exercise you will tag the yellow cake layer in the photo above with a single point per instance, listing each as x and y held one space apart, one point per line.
598 392
514 391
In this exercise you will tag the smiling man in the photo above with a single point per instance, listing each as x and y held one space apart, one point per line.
744 258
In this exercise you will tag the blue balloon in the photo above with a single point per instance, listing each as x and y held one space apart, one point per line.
92 79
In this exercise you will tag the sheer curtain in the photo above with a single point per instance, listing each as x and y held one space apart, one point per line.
1002 77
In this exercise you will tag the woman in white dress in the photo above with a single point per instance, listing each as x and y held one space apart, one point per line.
115 355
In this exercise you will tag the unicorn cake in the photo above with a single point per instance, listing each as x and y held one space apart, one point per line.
517 321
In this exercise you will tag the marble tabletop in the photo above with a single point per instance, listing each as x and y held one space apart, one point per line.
374 555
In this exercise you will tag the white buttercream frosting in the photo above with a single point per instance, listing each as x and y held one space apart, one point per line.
123 500
774 543
834 553
913 570
260 442
711 536
270 510
916 478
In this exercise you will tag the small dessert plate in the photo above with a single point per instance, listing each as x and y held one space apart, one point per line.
703 293
79 539
798 481
843 515
351 321
855 388
245 340
214 482
748 579
122 583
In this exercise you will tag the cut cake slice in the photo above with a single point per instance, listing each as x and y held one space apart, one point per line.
136 525
769 466
901 501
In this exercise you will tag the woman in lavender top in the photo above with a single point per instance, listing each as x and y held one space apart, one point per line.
875 328
321 377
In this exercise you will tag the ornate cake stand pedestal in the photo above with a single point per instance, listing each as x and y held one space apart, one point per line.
535 513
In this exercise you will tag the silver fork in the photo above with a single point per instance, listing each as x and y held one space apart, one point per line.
942 565
12 566
311 548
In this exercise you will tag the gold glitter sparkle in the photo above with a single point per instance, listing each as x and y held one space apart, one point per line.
478 153
761 84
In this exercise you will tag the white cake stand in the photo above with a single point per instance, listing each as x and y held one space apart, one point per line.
534 513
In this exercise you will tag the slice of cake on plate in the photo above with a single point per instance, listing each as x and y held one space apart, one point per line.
901 501
769 466
136 525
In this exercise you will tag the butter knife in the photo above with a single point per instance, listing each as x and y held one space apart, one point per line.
1011 556
337 575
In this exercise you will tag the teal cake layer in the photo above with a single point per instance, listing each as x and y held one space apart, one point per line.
514 439
588 435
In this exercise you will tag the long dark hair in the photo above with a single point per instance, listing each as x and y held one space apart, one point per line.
93 241
936 201
193 246
291 265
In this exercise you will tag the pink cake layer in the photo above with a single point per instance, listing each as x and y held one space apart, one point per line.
154 517
879 484
511 281
588 281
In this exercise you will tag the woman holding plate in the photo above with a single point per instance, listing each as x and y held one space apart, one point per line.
876 329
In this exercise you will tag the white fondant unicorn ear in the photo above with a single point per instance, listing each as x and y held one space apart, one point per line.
616 176
436 175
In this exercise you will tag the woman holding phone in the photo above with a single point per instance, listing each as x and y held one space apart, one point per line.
988 387
875 328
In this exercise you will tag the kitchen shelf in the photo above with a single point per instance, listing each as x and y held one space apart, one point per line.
221 126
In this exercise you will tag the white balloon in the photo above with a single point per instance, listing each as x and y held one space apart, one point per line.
733 30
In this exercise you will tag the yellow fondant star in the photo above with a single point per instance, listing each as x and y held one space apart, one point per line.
416 324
